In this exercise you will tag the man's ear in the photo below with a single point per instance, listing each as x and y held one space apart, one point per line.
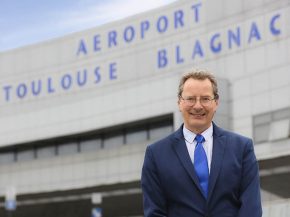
217 104
178 103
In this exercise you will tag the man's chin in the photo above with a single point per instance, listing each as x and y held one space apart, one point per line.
198 120
197 127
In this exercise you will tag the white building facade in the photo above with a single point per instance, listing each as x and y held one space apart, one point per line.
78 112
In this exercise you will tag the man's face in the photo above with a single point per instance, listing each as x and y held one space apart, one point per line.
197 116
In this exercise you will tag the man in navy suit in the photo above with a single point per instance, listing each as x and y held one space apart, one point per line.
200 170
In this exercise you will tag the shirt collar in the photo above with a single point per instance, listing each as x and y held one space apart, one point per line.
189 136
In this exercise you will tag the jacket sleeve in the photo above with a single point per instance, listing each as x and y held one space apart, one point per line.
154 201
250 184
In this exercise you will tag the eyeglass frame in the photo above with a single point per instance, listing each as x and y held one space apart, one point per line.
191 101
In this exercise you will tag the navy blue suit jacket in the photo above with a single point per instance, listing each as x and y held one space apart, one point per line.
171 188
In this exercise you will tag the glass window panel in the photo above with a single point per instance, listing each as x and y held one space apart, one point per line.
45 152
6 157
281 114
137 136
261 133
68 149
279 129
25 155
262 119
90 145
113 141
160 132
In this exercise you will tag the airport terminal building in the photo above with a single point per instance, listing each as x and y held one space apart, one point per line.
77 112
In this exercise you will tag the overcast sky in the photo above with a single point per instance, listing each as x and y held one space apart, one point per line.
24 22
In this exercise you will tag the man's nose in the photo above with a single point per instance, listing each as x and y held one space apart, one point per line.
197 104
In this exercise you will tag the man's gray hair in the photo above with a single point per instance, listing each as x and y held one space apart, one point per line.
199 74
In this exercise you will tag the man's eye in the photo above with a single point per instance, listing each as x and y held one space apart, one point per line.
205 99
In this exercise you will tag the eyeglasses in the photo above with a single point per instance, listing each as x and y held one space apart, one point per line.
203 100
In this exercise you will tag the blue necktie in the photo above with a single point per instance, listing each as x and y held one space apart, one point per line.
200 164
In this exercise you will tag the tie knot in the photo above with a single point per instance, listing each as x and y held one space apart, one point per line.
199 138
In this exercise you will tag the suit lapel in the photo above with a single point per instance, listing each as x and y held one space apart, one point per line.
219 144
180 148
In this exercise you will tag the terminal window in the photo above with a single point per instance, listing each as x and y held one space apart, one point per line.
271 126
138 132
